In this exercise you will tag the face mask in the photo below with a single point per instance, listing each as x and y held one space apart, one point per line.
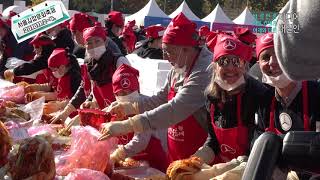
229 87
97 52
52 34
57 75
177 69
280 81
133 97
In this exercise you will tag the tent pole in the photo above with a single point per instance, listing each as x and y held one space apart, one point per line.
111 7
165 4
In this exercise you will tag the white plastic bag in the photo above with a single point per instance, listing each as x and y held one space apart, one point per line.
4 83
12 93
14 62
86 174
35 109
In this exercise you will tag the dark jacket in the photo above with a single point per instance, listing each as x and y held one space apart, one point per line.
151 53
255 94
79 51
36 64
294 110
117 41
13 49
64 40
100 71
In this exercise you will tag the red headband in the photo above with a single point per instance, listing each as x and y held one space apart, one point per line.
264 42
181 31
96 31
204 30
41 40
244 35
80 21
57 58
155 31
116 18
129 37
229 45
125 78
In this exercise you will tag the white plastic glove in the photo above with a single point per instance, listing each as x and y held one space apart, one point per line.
8 75
89 105
64 114
205 153
53 106
123 109
118 128
118 155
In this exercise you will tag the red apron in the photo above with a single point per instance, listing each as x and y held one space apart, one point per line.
233 141
53 82
155 155
305 107
185 137
41 78
23 79
86 80
64 88
103 94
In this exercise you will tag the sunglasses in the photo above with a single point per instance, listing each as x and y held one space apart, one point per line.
225 61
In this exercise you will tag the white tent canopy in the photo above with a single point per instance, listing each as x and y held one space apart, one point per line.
72 12
184 8
16 9
151 9
246 18
218 16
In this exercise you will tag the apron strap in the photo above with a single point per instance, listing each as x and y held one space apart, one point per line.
305 106
239 103
212 108
239 119
272 113
191 67
106 101
186 77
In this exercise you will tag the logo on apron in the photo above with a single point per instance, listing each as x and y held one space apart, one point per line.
176 134
59 89
124 138
227 149
125 83
285 121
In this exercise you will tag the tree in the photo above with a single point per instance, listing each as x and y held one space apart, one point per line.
98 6
129 6
36 2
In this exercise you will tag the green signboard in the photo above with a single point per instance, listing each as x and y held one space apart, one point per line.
38 19
265 17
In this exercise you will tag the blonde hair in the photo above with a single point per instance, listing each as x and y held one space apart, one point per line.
213 89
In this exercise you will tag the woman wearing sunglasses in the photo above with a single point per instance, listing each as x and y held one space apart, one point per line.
233 98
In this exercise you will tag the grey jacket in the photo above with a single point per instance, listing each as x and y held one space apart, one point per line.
141 141
159 113
297 39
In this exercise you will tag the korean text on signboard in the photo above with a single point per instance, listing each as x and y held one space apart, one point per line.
38 19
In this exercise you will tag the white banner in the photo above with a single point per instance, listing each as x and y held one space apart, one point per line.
38 19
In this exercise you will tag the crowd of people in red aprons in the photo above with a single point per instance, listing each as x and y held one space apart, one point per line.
224 90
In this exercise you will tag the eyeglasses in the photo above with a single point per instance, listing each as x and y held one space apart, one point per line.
165 52
225 61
